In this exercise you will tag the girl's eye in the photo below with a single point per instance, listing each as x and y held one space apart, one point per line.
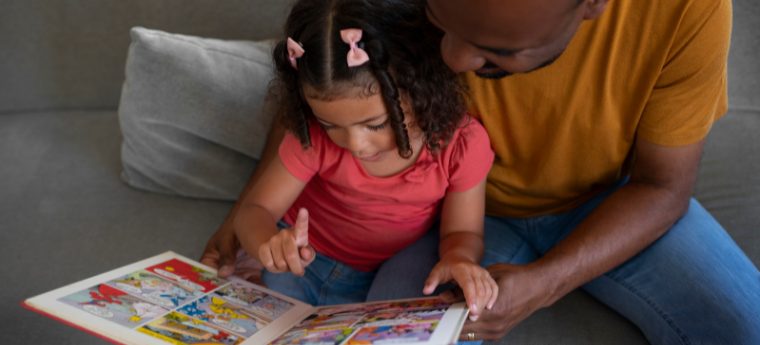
376 128
326 127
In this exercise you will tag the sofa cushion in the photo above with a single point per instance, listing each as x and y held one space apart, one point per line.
192 113
728 184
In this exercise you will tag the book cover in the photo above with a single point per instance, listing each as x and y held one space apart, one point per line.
170 299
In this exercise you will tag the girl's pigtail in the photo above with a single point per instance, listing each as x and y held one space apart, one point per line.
389 92
294 114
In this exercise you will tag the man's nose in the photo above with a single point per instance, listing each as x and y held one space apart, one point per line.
459 55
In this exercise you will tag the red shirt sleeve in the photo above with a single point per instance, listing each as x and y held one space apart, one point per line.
302 162
471 156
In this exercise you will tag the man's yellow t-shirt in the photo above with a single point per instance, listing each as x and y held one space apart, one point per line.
648 69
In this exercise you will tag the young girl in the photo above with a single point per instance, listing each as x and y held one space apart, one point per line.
378 149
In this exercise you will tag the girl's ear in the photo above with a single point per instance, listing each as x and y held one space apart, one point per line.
594 8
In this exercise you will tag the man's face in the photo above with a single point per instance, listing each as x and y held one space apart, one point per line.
497 38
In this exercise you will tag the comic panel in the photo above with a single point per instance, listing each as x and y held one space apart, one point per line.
367 324
154 289
257 303
334 320
407 316
314 337
393 334
187 276
220 312
182 329
114 305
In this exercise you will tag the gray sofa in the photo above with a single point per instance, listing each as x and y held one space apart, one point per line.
66 215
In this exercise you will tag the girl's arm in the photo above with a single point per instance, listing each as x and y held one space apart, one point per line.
221 249
461 248
256 220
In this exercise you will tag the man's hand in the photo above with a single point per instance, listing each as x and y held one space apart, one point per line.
522 292
221 250
289 249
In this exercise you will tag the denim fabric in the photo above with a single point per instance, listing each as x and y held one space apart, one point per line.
325 282
694 285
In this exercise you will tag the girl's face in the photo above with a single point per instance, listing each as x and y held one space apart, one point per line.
358 124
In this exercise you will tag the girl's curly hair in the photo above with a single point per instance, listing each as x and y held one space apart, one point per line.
405 59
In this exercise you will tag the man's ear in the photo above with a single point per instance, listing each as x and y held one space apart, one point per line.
594 8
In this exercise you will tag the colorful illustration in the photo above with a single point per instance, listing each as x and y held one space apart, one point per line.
387 307
340 319
309 337
369 324
242 294
114 305
260 304
393 334
154 289
218 311
395 317
187 276
182 329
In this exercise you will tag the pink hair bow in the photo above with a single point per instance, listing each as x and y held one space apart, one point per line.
295 51
356 56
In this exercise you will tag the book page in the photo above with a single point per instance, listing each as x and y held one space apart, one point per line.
409 322
170 299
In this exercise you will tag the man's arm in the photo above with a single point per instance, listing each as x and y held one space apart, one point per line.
628 221
222 247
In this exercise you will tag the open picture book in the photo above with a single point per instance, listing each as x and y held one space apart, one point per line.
171 299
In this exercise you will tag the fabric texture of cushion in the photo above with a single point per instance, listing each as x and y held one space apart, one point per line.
193 114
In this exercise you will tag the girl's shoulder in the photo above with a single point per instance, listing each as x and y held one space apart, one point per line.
468 156
320 151
468 142
469 134
319 141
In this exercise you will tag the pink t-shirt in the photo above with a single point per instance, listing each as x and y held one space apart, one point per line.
362 220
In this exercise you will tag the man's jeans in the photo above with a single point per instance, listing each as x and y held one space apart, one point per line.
694 285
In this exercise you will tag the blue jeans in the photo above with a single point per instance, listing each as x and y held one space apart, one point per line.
325 282
694 285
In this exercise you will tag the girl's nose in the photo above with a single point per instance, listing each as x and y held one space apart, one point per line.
356 143
459 55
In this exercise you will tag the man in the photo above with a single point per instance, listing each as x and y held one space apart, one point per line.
597 112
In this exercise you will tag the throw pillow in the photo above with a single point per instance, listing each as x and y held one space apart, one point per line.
193 114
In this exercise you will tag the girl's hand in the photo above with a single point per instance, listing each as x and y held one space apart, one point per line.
289 249
479 288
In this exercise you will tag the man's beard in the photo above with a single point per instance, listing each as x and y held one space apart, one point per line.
491 71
